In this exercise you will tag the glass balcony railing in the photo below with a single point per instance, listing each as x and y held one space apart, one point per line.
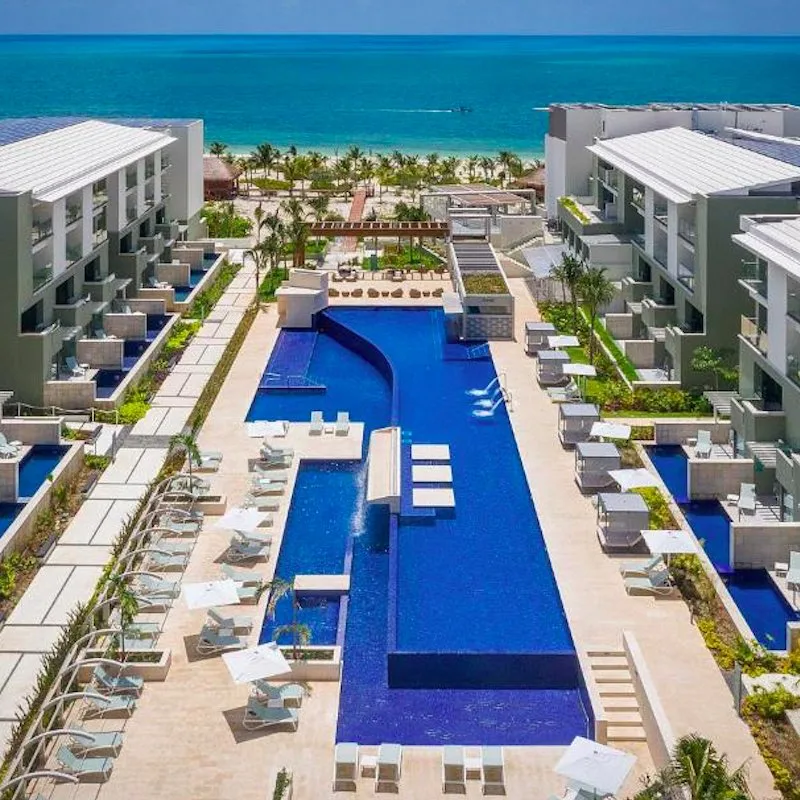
131 214
99 236
74 253
99 199
149 171
131 180
74 213
687 230
41 231
609 177
660 213
754 277
42 276
686 275
638 239
793 367
660 255
165 163
754 334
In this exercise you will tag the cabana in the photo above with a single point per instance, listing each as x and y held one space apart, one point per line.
621 517
575 422
536 334
593 460
549 367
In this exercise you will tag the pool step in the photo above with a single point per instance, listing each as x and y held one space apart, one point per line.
616 689
609 663
622 702
633 733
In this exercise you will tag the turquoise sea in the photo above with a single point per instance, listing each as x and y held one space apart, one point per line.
382 92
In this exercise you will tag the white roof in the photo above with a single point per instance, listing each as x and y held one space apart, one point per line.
680 164
774 240
58 163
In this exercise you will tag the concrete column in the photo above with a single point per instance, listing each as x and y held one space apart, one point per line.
649 206
86 222
116 200
776 317
139 186
59 236
672 238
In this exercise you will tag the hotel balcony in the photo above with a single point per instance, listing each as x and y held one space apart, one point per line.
40 231
153 244
581 215
42 276
754 422
170 231
660 256
74 252
686 274
149 170
657 315
752 333
99 236
634 291
687 231
42 344
73 214
105 289
660 214
609 177
99 201
78 312
131 179
131 213
754 279
165 163
793 368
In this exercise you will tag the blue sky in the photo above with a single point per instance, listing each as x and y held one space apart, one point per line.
767 17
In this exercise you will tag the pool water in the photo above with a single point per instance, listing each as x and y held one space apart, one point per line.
476 582
37 464
195 276
762 604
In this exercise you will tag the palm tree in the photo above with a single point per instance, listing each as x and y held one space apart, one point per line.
488 166
279 588
354 154
127 604
698 771
218 149
570 272
300 632
187 443
508 161
297 233
319 207
275 241
260 257
366 168
293 208
265 156
399 159
472 166
596 290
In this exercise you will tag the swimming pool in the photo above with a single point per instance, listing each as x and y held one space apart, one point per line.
762 604
475 585
195 276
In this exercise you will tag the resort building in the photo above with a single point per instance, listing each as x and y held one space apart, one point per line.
661 210
92 216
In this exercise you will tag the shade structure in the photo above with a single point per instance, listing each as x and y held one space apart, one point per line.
628 479
262 428
241 519
586 370
256 663
210 593
595 767
669 542
611 430
563 340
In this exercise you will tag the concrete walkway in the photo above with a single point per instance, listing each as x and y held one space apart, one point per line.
72 570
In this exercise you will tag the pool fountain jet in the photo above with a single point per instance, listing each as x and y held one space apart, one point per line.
488 412
487 391
488 402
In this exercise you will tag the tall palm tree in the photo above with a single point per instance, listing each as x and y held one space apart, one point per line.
366 168
399 159
275 240
218 149
508 161
259 255
570 272
126 603
319 207
279 588
472 167
488 166
596 290
265 156
188 443
354 153
297 234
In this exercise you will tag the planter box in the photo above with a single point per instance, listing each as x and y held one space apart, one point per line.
310 670
288 792
156 671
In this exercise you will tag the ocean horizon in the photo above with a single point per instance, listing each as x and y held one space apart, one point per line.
450 94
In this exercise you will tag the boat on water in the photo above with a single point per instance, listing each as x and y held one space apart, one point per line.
461 110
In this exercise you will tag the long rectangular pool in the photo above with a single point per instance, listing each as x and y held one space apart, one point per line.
761 602
472 588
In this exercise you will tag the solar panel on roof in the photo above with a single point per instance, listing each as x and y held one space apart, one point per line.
787 152
20 128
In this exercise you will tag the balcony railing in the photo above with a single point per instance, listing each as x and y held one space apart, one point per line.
660 255
754 334
99 199
131 179
41 231
687 230
74 213
149 171
99 236
131 214
609 177
686 275
165 163
638 239
793 368
754 277
74 253
42 276
660 213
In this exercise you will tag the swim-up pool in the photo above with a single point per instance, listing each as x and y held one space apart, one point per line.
762 604
471 589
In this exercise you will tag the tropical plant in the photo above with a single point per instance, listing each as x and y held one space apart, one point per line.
717 363
319 207
595 290
570 272
275 240
126 603
472 167
218 149
510 162
188 444
488 166
771 705
223 221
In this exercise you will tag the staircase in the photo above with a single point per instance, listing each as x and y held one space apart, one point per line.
611 674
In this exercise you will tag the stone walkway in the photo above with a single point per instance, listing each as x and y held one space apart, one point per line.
70 573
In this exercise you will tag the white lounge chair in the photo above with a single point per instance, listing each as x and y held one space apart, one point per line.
213 640
345 766
702 448
747 499
270 459
72 365
236 622
261 503
253 537
242 576
657 582
257 715
262 475
342 423
96 770
246 551
290 694
454 771
152 587
166 562
631 569
258 488
388 766
317 423
266 446
793 573
493 770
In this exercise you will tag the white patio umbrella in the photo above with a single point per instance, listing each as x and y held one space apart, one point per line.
263 428
256 663
585 370
628 479
210 593
241 519
595 767
669 542
610 430
563 340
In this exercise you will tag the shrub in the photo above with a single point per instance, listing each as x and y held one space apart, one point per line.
271 184
179 336
660 515
570 204
485 284
208 298
223 221
772 704
96 462
131 411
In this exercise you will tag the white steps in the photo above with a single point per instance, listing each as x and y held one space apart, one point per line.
611 674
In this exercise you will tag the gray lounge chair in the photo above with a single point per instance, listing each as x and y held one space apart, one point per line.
96 770
117 705
244 577
262 503
206 463
212 640
286 452
702 448
246 551
266 475
258 716
655 583
342 423
238 622
174 548
793 574
345 766
108 742
389 765
317 423
454 772
72 365
153 283
253 537
287 693
631 569
164 561
153 587
258 488
121 684
747 499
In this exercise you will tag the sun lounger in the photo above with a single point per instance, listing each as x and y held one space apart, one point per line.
267 447
267 475
258 487
793 573
493 770
317 423
564 394
142 630
246 551
388 765
206 464
655 583
257 715
223 619
454 772
72 365
345 766
96 770
747 499
154 587
118 705
253 537
630 569
110 684
273 460
184 483
152 283
702 448
174 548
108 742
218 640
165 562
261 503
244 577
342 423
287 693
